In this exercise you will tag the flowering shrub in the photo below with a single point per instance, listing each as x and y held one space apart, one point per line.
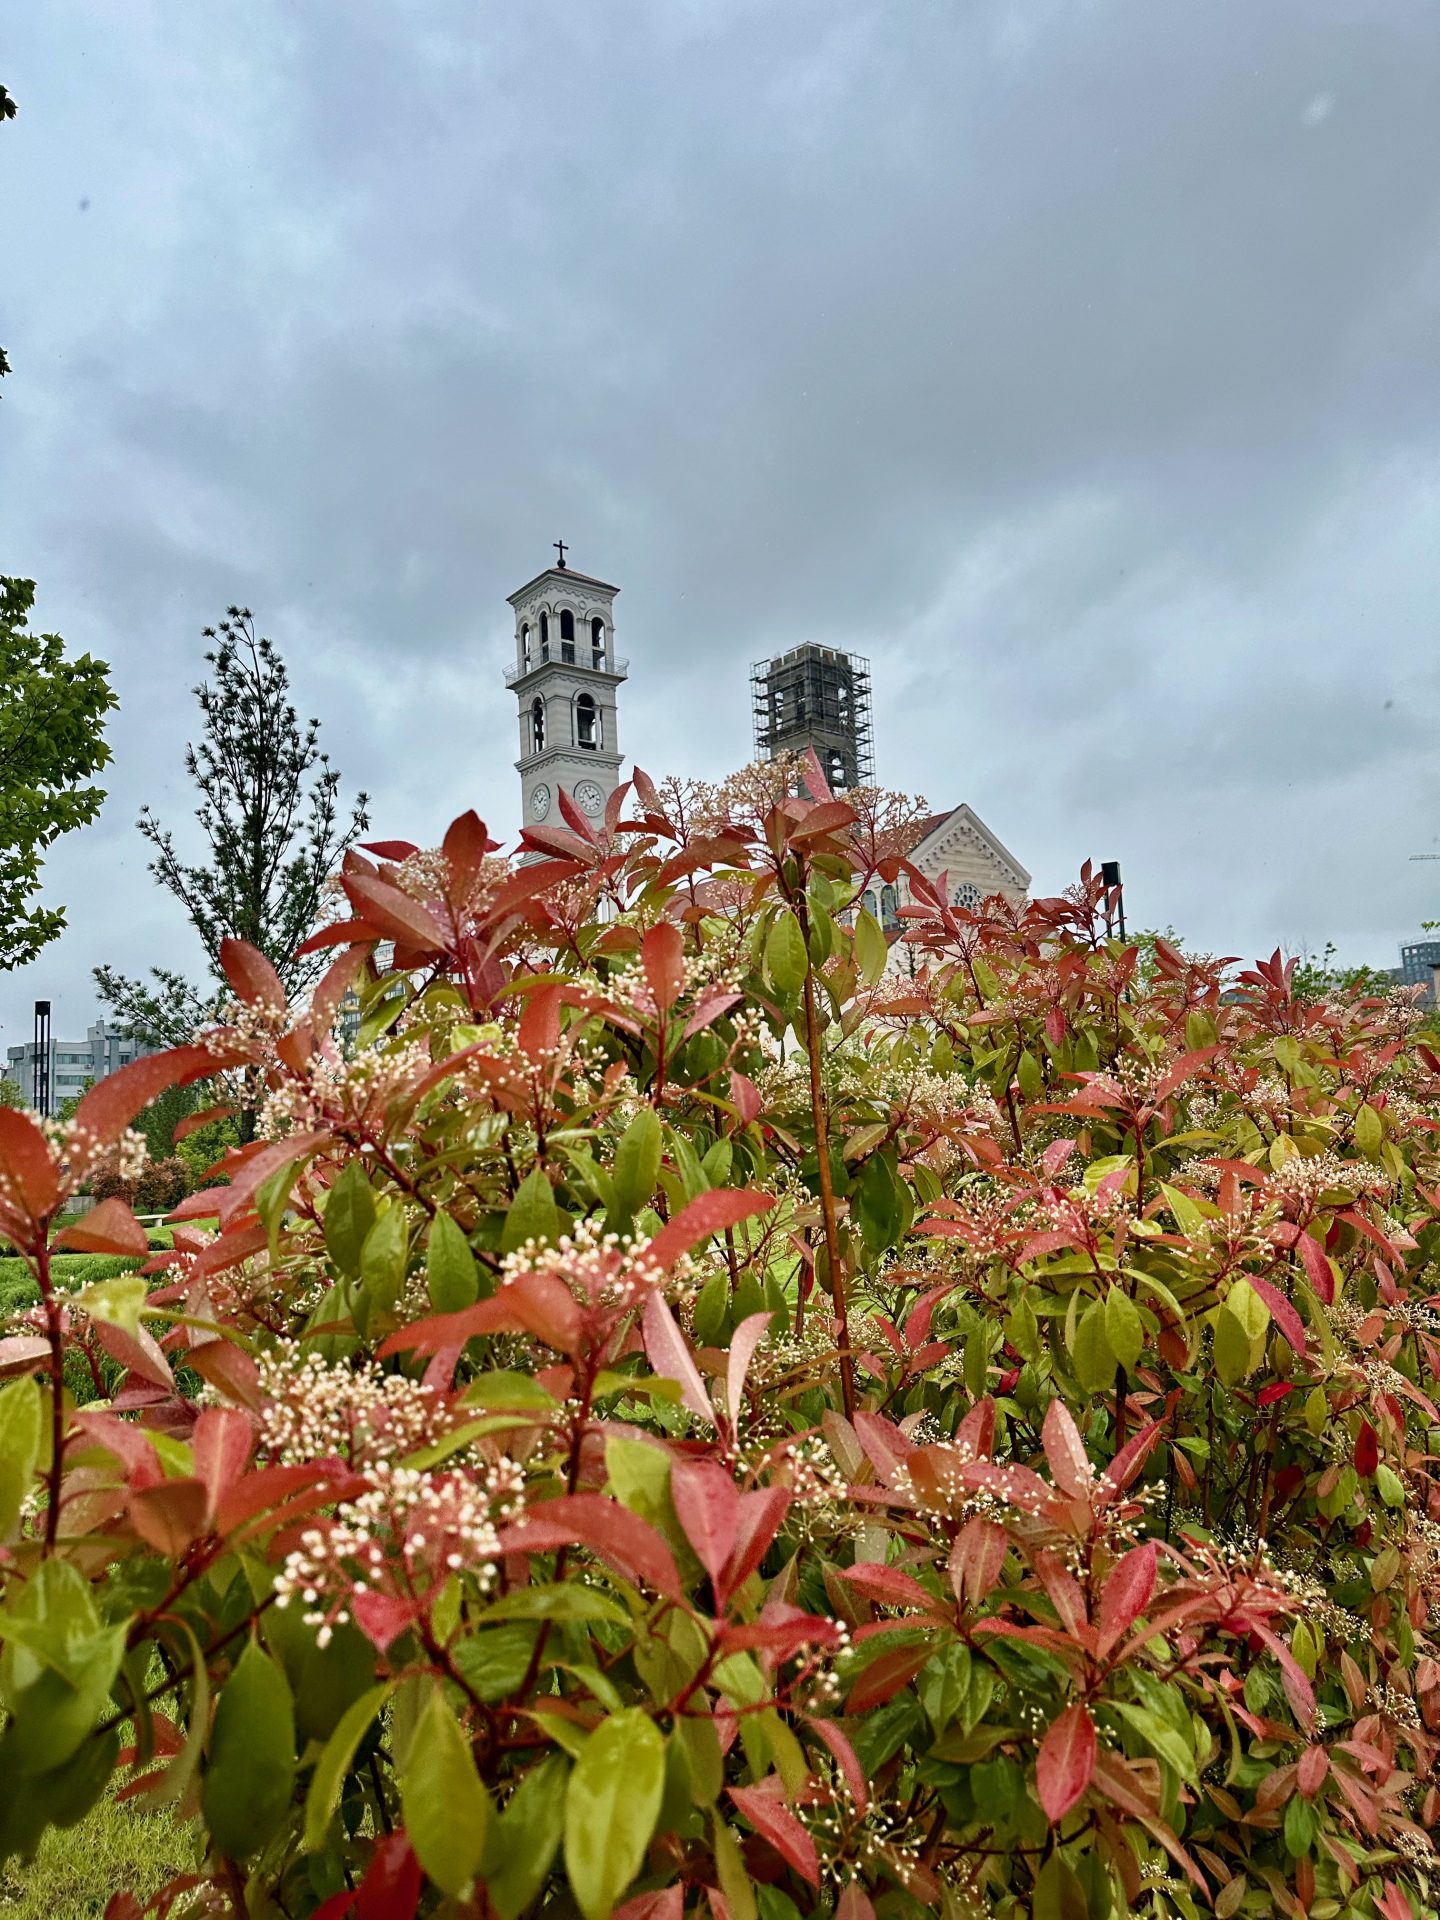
684 1416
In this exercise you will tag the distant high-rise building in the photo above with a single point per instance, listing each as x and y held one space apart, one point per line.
816 697
72 1064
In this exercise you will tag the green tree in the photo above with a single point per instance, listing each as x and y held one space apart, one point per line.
52 742
271 816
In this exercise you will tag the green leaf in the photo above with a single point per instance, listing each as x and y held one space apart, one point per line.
1188 1216
525 1838
872 949
118 1302
349 1216
1093 1354
1163 1741
20 1420
1124 1329
562 1600
495 1662
382 1259
251 1771
611 1805
786 960
1029 1076
506 1389
533 1214
1058 1893
445 1807
637 1166
452 1274
1369 1131
1240 1329
335 1762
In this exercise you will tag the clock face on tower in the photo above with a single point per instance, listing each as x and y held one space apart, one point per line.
540 801
590 797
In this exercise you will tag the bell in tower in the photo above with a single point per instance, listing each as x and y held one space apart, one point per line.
565 678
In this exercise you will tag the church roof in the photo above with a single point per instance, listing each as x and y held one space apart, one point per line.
933 833
561 573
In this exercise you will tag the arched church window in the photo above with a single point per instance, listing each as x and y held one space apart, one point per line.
567 637
869 902
537 722
525 644
967 896
835 771
597 642
889 909
544 636
586 722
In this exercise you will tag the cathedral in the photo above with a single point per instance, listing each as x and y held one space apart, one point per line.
566 679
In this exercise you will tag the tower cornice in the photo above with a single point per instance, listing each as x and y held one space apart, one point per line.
560 574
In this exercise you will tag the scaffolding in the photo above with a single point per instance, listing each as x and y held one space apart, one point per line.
816 697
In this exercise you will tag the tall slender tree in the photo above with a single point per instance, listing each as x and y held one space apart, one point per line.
271 815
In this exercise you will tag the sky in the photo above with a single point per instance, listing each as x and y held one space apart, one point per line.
1074 360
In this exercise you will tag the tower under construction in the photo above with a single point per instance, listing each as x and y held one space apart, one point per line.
816 697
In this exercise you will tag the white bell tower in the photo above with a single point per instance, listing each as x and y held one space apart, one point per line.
566 676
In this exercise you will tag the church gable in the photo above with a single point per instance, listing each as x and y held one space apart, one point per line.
960 845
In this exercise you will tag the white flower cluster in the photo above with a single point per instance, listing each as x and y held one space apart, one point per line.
404 1537
358 1414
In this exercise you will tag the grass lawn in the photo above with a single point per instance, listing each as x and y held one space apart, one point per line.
115 1849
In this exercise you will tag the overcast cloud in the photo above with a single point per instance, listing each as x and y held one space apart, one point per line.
1078 362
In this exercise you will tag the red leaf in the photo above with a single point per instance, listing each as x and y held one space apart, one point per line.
886 1448
662 954
1066 1762
1322 1279
813 774
886 1586
193 1122
667 1904
1132 1457
399 918
107 1109
465 846
670 1356
743 1342
251 975
383 1617
170 1516
885 1676
389 849
774 1822
26 1168
1126 1594
139 1353
540 1023
1065 1451
710 1213
846 1759
745 1098
220 1445
609 1530
707 1502
976 1560
855 1904
110 1227
391 1888
762 1513
340 933
1277 1390
1367 1450
1281 1312
1310 1773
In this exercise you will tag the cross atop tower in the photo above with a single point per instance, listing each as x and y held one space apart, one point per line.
559 546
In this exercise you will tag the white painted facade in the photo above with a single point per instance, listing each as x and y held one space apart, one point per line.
565 679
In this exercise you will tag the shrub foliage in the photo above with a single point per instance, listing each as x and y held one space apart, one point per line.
697 1419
